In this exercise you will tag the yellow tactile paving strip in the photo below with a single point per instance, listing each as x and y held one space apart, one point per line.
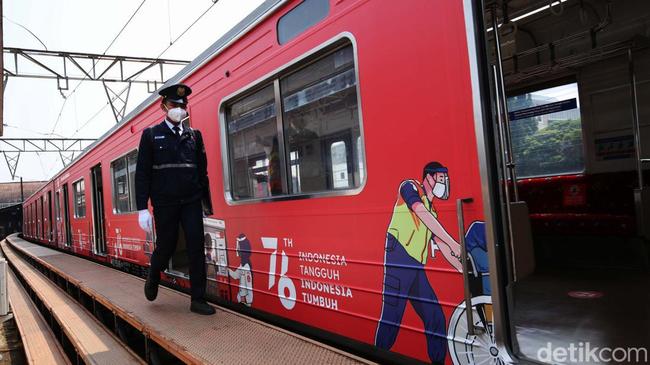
94 344
38 341
224 338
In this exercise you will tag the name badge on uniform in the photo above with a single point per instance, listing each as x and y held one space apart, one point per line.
158 137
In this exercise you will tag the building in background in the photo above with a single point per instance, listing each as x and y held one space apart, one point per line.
10 192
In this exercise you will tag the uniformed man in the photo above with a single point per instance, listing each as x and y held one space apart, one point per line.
172 172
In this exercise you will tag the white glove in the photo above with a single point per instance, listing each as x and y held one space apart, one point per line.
144 219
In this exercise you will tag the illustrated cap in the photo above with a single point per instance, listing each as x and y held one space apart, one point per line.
433 167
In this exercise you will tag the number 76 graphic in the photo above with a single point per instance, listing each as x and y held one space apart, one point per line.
288 301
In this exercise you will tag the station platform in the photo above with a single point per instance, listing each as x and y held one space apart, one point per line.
165 331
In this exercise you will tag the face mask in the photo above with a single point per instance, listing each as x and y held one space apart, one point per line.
176 114
439 190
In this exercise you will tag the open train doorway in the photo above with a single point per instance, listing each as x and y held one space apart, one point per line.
99 229
51 235
66 217
570 93
179 263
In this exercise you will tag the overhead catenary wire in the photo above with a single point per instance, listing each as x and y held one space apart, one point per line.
188 28
40 161
32 131
27 29
90 119
58 118
44 46
124 27
161 53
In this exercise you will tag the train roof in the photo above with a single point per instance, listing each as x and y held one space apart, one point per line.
240 29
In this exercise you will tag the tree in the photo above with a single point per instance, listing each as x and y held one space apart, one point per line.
551 150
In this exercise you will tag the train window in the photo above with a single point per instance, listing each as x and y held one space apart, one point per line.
313 146
321 121
123 175
78 190
254 147
301 18
546 131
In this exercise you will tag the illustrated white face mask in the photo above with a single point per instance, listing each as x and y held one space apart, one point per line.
439 190
176 114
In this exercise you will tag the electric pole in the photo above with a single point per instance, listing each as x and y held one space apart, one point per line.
2 86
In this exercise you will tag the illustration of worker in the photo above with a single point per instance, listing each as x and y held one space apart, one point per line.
243 273
414 226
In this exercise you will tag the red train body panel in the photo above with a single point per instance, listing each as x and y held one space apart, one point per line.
316 260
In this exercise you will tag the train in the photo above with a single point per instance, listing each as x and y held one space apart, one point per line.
377 168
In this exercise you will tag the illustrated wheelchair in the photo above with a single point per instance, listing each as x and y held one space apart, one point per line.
478 348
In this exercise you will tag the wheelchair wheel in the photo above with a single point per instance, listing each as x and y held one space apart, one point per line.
480 348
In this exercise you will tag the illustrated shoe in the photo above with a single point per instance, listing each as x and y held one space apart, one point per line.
151 287
202 307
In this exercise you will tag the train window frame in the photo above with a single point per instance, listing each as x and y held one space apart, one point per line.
274 78
74 198
286 28
545 85
132 206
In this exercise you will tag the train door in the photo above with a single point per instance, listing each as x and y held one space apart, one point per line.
66 217
179 264
26 219
50 234
33 230
57 214
42 219
36 219
99 228
566 143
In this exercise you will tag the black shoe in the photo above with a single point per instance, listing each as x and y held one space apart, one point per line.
202 307
151 287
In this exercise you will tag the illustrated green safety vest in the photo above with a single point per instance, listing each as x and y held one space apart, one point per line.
408 228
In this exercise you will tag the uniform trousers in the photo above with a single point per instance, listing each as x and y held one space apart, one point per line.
190 216
406 281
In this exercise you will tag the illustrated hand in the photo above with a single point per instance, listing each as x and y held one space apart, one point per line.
144 219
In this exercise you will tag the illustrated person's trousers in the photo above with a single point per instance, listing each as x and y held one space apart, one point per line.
405 280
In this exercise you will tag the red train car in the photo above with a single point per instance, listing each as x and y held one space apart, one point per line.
361 165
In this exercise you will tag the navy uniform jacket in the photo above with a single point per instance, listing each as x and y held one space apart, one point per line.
171 170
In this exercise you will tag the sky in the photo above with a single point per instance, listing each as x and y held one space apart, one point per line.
35 108
563 92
